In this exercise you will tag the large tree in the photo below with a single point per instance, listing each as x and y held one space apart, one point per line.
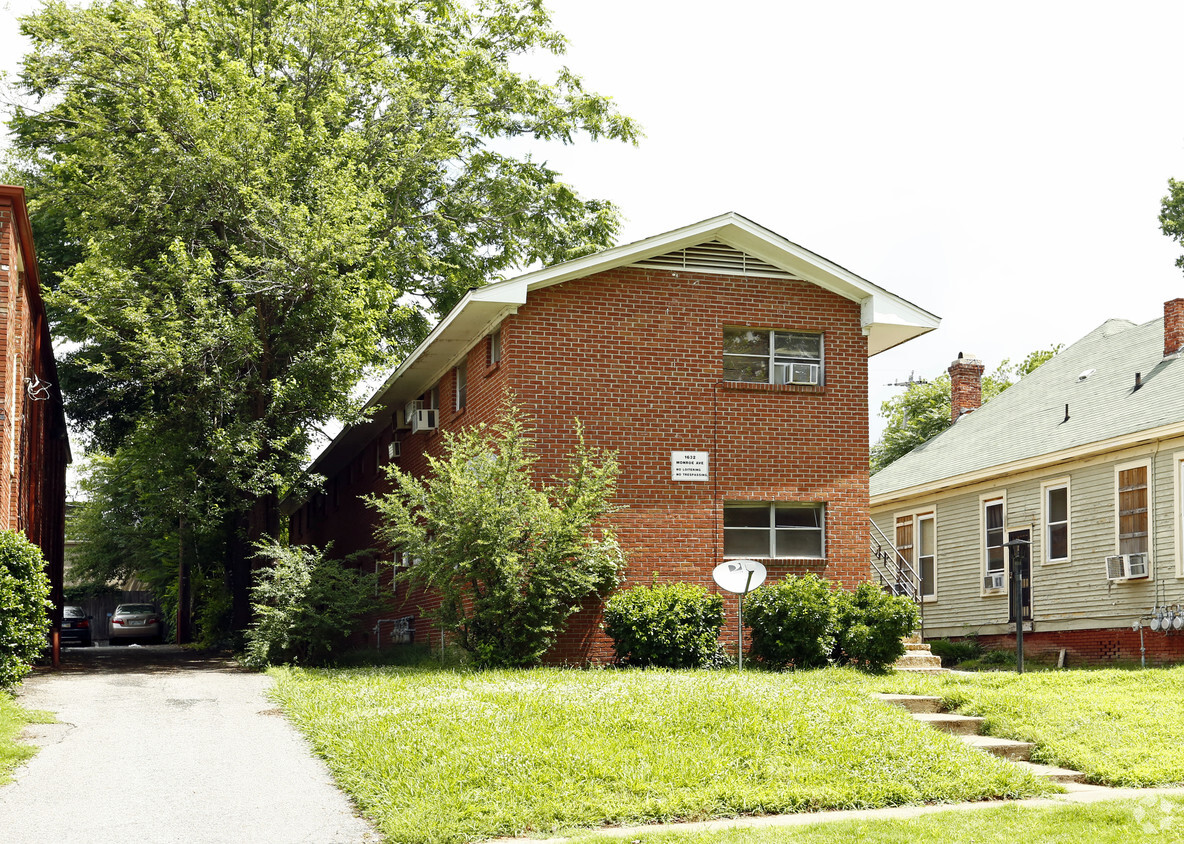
922 411
245 205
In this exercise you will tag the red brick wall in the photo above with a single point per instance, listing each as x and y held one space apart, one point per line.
33 445
636 356
1096 647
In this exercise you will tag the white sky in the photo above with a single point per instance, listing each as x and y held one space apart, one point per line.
1000 165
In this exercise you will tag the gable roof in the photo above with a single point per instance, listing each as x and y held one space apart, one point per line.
887 319
1025 426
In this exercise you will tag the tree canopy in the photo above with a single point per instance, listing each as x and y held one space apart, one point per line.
243 206
922 411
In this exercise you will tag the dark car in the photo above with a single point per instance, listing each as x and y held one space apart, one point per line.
76 628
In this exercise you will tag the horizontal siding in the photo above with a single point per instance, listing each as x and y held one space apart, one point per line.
1074 594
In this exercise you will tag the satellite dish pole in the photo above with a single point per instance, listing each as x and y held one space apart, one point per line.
739 577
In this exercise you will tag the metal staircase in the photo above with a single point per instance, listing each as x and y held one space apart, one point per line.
895 574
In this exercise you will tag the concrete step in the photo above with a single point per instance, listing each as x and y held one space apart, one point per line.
913 703
1053 773
917 646
909 670
1013 751
917 659
959 725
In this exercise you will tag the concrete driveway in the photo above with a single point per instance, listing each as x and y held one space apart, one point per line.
156 744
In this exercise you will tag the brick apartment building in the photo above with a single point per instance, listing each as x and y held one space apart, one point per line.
34 449
726 365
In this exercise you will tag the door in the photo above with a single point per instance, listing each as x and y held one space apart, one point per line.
1020 555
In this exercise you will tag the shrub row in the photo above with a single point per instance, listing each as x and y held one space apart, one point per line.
800 622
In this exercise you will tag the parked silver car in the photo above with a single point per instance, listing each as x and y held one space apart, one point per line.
138 622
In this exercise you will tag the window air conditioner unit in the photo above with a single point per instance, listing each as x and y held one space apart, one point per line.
798 373
993 581
425 420
393 450
1126 567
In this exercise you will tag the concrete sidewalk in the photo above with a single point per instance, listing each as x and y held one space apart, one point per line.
154 744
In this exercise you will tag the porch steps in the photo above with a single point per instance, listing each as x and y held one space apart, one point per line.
928 710
918 659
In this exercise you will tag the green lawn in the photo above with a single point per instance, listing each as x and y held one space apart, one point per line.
433 755
1149 819
12 720
1121 727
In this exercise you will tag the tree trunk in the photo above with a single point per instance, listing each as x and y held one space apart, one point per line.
258 521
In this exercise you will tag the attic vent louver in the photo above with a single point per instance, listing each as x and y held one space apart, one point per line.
716 257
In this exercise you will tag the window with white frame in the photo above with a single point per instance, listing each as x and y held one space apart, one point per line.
774 529
461 384
1133 513
1056 522
495 348
765 356
916 541
993 538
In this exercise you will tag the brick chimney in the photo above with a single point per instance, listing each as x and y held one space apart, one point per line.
966 384
1173 326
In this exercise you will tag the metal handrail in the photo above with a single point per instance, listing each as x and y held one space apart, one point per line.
896 573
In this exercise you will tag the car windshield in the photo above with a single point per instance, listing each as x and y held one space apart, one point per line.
73 612
133 609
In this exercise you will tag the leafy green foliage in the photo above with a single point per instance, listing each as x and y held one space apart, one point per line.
870 626
922 411
792 622
240 204
511 558
24 605
137 518
305 606
674 625
448 756
954 653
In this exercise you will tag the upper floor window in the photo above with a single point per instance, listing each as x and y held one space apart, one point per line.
461 381
777 529
1056 522
765 356
495 348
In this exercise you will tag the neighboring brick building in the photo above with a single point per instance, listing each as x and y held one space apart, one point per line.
722 340
34 449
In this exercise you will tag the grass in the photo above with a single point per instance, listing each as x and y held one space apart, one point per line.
434 755
1123 728
1149 819
12 720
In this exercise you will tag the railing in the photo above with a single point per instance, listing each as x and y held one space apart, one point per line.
896 574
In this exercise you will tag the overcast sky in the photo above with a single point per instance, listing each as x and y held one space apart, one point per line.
1000 165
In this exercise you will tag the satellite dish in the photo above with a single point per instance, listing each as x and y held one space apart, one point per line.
739 576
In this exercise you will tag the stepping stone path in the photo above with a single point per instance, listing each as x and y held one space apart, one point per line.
928 710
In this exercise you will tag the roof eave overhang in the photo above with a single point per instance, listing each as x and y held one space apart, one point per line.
1029 464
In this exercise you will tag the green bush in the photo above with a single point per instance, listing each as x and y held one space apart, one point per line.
509 556
24 606
870 626
792 623
305 606
675 625
955 653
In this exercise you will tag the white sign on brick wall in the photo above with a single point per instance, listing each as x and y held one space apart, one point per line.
688 466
